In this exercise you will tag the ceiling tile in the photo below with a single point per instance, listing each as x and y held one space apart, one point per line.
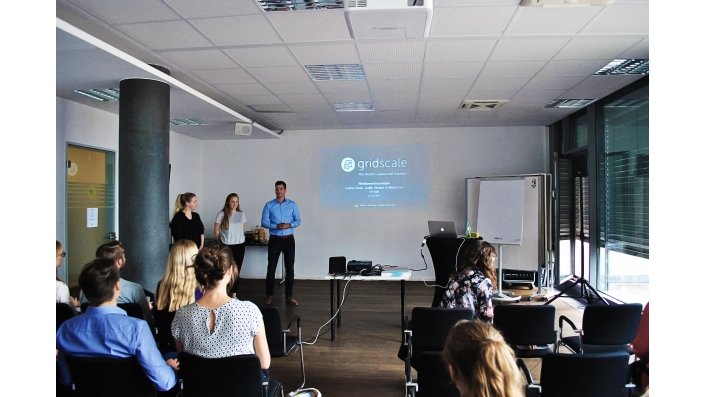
403 71
620 19
394 85
348 97
486 94
279 75
234 90
200 59
239 30
550 21
224 76
596 47
452 70
330 25
391 51
581 67
528 49
297 87
430 84
129 11
324 54
459 49
213 8
342 86
164 35
258 99
301 99
262 56
539 95
500 83
512 68
639 51
470 21
555 82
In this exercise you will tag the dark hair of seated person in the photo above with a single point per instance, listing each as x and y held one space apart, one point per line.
212 263
97 280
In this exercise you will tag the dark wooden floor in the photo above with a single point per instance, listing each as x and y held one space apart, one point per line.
362 361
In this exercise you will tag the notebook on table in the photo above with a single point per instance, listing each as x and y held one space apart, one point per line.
442 229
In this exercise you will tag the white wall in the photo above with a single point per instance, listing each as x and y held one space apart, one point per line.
212 169
250 168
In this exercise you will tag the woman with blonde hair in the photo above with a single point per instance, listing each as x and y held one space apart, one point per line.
186 223
230 229
472 286
177 288
480 362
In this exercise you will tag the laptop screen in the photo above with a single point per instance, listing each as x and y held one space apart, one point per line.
442 229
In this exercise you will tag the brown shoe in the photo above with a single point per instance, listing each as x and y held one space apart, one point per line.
268 300
292 302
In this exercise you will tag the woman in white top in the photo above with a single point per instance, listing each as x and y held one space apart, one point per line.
62 290
230 229
217 325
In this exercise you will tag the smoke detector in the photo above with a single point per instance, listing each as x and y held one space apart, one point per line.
472 105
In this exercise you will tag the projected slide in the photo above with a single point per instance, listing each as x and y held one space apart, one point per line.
384 176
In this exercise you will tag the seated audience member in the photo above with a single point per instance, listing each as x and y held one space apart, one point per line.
472 285
130 292
480 362
105 330
640 347
177 288
218 325
62 290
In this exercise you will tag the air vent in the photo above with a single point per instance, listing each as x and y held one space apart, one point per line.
297 5
476 106
336 72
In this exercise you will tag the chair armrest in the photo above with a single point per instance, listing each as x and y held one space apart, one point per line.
575 329
532 388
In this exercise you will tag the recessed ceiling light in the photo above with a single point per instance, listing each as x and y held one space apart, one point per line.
188 121
354 107
336 72
570 103
624 66
101 94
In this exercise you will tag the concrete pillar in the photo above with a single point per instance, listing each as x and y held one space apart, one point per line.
144 179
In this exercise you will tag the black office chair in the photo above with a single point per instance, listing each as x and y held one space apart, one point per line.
132 309
165 340
235 376
446 253
63 313
580 375
109 377
528 329
606 328
280 340
424 337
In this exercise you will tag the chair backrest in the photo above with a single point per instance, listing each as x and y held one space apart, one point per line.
526 324
433 378
108 377
611 324
165 340
63 313
584 375
220 377
446 253
273 330
430 325
132 309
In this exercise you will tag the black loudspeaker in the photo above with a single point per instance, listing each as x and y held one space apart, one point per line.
336 264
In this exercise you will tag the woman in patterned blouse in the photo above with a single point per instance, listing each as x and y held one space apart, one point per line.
472 286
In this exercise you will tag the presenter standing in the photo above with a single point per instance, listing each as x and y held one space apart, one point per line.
281 216
230 229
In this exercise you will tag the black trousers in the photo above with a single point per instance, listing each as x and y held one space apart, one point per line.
278 245
238 255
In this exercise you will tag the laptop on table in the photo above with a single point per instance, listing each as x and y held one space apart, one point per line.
442 229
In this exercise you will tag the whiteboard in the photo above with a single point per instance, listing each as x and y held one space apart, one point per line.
500 217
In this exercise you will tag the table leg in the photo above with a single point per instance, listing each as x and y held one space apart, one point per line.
403 304
339 320
332 312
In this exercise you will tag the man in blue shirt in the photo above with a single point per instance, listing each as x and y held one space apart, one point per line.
105 330
281 216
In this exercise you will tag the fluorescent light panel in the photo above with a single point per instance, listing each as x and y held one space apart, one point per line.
188 121
101 94
624 66
336 72
292 5
570 103
354 107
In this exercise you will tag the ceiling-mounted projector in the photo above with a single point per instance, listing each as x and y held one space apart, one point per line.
389 19
243 129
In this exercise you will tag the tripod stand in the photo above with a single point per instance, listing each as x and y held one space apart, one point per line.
585 287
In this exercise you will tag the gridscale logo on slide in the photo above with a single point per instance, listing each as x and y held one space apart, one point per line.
348 164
